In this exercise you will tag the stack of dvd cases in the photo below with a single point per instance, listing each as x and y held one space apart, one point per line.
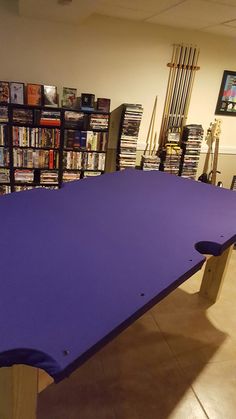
191 144
171 154
129 130
150 163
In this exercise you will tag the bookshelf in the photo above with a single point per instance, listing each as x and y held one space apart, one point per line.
5 174
45 146
85 136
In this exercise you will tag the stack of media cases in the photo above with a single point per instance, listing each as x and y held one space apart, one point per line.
171 154
191 144
130 124
150 163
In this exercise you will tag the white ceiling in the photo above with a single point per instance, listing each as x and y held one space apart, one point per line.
215 16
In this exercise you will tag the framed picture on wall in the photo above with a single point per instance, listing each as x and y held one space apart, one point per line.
17 91
226 104
4 92
34 94
50 95
69 97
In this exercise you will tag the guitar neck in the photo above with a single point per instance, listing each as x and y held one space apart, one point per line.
215 162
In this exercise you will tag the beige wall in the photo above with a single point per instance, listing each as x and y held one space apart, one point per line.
114 58
226 166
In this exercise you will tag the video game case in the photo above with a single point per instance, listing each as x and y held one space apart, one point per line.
103 104
87 101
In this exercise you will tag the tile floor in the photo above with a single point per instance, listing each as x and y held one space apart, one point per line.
178 361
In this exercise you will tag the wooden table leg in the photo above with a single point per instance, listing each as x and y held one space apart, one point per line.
44 380
18 392
213 277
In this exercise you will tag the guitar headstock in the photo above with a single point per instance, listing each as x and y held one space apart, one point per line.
215 128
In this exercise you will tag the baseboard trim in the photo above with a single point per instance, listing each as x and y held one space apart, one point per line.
222 149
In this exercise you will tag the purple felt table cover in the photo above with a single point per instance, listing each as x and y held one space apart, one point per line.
78 265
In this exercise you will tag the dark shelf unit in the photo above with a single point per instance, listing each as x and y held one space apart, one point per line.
83 170
70 126
34 184
56 108
76 150
36 148
62 127
5 166
19 124
33 168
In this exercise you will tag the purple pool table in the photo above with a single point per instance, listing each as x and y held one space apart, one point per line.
80 264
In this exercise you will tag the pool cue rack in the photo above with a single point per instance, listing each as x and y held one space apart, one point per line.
183 67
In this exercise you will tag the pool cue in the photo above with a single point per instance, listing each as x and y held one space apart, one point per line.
176 110
175 71
182 88
150 127
169 91
179 88
186 87
172 100
186 91
153 125
154 145
170 104
148 135
186 71
175 89
193 73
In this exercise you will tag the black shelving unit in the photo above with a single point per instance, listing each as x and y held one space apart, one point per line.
75 159
18 152
5 156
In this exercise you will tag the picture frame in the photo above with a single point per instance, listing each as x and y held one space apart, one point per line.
17 93
69 97
50 96
22 116
226 103
103 104
34 94
3 113
4 92
75 119
87 101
